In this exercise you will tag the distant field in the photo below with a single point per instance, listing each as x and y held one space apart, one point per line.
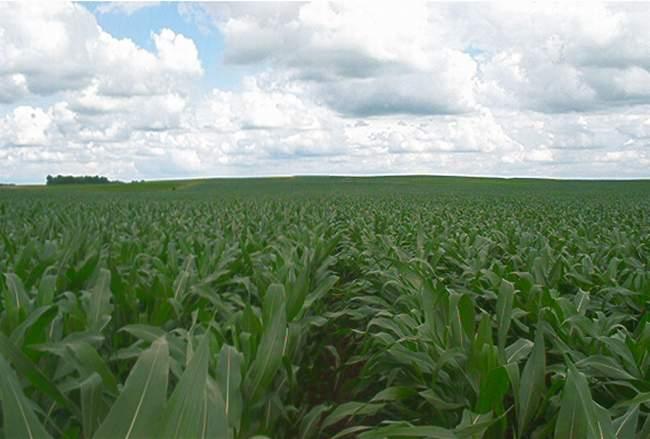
424 185
323 307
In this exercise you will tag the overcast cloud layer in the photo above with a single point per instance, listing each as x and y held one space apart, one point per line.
337 88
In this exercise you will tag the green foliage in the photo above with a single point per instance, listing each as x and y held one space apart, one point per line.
72 179
326 308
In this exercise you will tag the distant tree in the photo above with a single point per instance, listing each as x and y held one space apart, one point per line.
71 179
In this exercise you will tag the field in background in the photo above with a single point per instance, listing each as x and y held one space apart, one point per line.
320 307
281 187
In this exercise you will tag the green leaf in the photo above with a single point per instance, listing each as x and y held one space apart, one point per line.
36 377
504 314
249 321
88 360
151 333
579 417
77 351
601 366
512 369
348 431
136 412
98 302
269 353
438 403
401 430
641 398
461 317
217 421
46 290
474 425
323 287
35 322
493 390
182 280
395 393
518 350
625 425
229 380
144 332
604 427
582 299
297 292
186 414
93 407
310 422
16 300
352 408
532 383
19 418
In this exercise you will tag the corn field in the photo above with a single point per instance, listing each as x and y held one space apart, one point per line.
326 308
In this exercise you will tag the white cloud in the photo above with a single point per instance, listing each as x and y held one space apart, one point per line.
60 47
126 8
360 58
537 57
177 53
26 126
12 87
497 89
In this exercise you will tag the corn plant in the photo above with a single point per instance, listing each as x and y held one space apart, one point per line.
326 308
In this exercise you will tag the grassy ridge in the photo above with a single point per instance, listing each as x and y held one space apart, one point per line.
313 307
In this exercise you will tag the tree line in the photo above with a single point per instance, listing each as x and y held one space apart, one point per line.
72 179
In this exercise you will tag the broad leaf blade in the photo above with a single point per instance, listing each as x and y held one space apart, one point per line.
229 380
532 383
217 423
504 314
93 407
579 417
136 412
269 354
98 303
625 426
186 412
400 430
35 376
19 418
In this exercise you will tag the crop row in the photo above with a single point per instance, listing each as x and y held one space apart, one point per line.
371 316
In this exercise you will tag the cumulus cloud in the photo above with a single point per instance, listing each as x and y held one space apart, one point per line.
361 58
538 57
12 87
565 59
60 47
26 126
336 87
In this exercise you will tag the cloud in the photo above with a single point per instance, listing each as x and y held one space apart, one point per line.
566 59
26 126
126 8
485 89
536 57
396 60
60 48
12 87
177 53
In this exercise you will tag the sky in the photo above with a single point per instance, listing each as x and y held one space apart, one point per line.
181 90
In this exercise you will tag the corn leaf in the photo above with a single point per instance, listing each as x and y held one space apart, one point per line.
136 412
18 415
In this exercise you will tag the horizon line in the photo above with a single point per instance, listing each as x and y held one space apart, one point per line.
269 176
